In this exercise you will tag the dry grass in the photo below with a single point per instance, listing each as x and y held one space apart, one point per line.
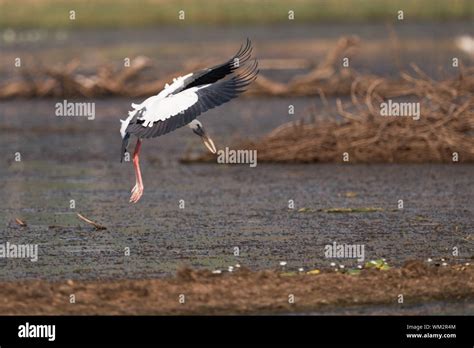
445 127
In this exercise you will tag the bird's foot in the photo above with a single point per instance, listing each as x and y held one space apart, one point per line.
137 193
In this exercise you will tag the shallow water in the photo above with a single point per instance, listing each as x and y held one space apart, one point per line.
226 206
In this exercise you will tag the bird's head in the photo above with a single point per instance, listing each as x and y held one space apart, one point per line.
198 129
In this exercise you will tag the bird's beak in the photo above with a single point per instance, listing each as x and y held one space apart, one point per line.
207 141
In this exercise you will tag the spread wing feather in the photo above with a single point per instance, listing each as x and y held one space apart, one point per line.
206 97
214 74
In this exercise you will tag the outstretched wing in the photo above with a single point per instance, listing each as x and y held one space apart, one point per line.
214 74
179 109
202 77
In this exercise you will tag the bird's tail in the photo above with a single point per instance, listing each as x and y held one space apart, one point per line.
124 146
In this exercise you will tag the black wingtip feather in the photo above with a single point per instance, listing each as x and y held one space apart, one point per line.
217 93
242 56
124 146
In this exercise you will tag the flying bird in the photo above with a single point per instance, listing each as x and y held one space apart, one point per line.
182 101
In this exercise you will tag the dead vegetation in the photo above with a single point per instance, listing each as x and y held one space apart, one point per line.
65 81
355 130
328 77
443 132
97 226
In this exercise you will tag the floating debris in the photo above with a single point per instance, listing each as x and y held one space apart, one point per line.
288 274
379 264
313 272
341 210
20 222
353 271
305 210
353 210
90 222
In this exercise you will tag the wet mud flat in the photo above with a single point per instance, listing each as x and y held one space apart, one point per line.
135 265
225 206
245 292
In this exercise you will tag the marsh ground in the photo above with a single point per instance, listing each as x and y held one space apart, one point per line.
226 206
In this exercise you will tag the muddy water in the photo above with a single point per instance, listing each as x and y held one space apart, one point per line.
225 206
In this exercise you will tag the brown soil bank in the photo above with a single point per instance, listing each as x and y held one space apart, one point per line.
242 292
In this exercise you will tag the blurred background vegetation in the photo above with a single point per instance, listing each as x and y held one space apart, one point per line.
148 13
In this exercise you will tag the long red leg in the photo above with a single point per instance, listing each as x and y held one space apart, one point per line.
137 190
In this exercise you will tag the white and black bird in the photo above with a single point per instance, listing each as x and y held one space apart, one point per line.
181 102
